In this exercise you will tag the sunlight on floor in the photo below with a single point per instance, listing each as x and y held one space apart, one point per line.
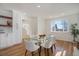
58 53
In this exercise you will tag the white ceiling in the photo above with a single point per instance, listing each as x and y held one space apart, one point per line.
46 9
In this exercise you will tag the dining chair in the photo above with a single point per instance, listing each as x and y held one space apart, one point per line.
30 46
48 45
52 37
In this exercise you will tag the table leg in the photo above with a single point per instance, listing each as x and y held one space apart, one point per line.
25 52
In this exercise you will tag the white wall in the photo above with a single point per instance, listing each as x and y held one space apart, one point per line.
41 25
63 35
5 12
37 25
32 22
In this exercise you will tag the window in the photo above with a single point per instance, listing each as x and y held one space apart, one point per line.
59 25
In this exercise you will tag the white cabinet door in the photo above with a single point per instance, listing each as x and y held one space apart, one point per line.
15 37
3 41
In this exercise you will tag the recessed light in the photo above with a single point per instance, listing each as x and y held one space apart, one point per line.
38 6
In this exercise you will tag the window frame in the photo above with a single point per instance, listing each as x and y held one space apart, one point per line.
52 21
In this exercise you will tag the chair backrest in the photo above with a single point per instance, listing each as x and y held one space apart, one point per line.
30 45
50 37
49 43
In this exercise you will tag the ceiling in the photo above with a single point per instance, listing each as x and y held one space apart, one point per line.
45 9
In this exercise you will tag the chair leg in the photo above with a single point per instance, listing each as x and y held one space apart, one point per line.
47 52
40 51
25 52
52 49
54 46
32 53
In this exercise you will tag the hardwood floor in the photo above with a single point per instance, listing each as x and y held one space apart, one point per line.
15 50
19 50
64 45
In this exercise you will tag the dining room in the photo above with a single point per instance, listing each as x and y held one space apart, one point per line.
38 29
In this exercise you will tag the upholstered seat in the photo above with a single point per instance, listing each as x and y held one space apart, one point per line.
30 46
49 44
